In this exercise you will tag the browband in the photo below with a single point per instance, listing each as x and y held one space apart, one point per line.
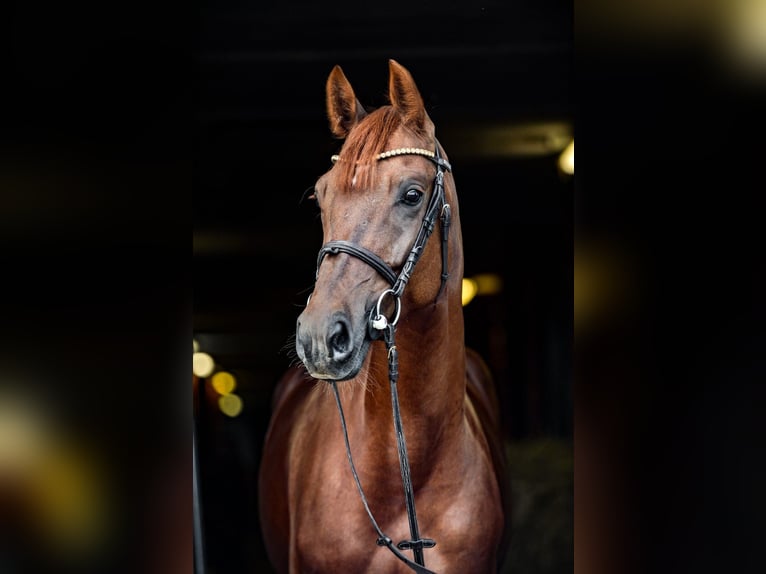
408 151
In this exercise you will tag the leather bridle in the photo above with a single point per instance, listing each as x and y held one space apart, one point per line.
380 325
437 203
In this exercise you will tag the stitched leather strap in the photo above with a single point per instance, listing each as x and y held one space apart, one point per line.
382 540
339 245
415 544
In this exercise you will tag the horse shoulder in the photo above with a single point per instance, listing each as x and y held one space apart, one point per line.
483 404
465 517
481 388
483 410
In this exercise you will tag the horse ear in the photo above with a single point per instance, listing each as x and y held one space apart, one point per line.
343 109
406 99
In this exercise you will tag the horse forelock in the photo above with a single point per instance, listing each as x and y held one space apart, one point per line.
358 157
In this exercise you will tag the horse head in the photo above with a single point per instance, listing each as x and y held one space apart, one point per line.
373 203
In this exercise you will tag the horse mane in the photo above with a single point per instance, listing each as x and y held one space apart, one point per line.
369 137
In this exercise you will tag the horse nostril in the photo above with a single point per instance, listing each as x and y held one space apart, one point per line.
339 340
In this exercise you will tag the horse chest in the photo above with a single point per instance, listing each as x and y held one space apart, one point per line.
331 532
345 541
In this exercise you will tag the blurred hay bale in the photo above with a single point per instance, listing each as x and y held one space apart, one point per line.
542 499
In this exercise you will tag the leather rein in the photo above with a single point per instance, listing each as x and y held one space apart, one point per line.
379 325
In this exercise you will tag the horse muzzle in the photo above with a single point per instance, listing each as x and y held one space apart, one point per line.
331 347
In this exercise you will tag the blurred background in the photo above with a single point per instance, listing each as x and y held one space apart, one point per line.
669 279
496 79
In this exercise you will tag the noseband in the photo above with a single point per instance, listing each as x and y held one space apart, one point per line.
380 324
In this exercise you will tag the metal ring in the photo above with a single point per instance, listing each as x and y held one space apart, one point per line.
398 305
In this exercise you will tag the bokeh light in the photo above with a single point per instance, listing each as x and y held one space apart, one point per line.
224 383
230 405
488 284
469 290
202 365
566 159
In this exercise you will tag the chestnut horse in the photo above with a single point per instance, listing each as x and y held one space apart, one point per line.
337 475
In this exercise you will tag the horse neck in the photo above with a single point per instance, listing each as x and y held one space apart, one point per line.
430 343
431 383
431 348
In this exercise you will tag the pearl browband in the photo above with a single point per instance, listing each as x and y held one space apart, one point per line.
398 151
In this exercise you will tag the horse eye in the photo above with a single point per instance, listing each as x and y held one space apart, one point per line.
412 196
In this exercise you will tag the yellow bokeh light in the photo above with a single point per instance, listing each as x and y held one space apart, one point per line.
488 284
224 383
72 500
469 290
24 434
482 284
230 405
566 159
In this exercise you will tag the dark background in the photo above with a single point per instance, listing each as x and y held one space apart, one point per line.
497 81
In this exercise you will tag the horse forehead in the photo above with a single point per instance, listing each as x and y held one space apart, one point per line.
405 137
362 193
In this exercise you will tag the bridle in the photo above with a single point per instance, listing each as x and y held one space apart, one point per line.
380 325
436 203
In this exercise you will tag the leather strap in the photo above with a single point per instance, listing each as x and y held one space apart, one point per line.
446 220
382 540
416 544
435 203
340 245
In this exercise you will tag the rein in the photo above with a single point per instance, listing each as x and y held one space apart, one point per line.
380 325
